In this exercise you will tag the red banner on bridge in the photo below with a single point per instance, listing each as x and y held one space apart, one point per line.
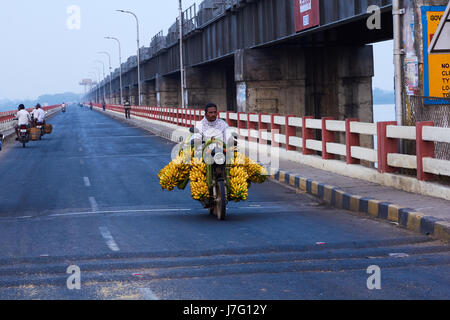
307 14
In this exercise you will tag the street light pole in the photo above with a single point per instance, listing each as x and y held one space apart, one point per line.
183 103
98 84
120 66
104 89
91 91
398 61
110 74
138 55
98 81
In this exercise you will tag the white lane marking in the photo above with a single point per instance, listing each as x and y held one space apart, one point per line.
110 137
118 211
87 183
148 294
94 205
143 155
109 239
69 214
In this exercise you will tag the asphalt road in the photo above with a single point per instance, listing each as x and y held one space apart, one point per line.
88 196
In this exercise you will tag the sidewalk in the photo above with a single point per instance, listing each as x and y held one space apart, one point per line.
419 213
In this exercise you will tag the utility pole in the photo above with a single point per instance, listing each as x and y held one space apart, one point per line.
138 55
398 53
120 67
110 74
183 103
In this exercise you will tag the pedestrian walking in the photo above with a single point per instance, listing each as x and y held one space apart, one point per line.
127 107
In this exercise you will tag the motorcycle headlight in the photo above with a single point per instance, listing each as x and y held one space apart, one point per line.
220 159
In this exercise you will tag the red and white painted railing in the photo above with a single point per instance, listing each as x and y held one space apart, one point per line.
282 132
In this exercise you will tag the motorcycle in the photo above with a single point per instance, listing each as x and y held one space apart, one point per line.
24 135
63 109
217 175
41 127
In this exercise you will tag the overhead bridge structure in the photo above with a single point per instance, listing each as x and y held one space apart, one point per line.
257 56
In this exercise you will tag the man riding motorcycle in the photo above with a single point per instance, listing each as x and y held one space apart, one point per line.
211 126
23 118
38 114
38 118
209 137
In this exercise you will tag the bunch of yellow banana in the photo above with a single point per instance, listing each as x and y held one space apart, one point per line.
238 184
256 172
199 187
174 173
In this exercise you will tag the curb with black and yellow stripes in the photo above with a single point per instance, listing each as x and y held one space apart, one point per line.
333 196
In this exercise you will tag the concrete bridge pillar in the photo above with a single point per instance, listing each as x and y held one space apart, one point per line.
133 95
339 84
149 93
168 91
126 94
116 99
206 84
270 80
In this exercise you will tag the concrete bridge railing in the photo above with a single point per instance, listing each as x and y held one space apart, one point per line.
295 139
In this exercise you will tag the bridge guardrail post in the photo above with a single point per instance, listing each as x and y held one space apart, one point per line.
251 125
185 117
307 134
385 146
291 131
327 136
351 140
241 124
262 127
230 121
275 129
190 117
193 119
424 149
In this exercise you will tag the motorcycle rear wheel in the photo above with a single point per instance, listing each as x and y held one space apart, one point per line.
220 202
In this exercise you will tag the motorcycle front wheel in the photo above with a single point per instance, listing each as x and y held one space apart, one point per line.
220 202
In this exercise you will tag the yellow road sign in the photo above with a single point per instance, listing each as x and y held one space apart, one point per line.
436 66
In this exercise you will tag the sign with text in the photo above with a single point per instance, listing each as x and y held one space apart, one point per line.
436 66
307 14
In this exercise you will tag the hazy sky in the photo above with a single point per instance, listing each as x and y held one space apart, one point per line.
41 54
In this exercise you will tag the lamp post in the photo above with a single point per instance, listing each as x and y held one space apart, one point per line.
98 84
138 54
120 66
110 74
104 89
96 90
396 11
183 104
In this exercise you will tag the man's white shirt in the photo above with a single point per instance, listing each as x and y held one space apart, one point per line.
218 129
38 114
23 117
